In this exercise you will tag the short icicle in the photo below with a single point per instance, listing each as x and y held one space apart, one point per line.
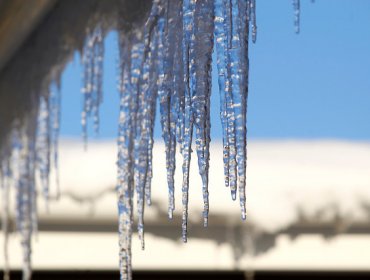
297 15
43 145
92 60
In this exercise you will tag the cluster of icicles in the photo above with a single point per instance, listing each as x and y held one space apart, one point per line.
174 66
29 152
170 58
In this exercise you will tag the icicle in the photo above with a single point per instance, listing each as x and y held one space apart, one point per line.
151 78
203 33
92 59
43 145
155 61
26 215
141 163
188 61
166 92
230 114
47 139
220 38
297 13
164 62
231 32
175 85
87 88
239 79
5 176
150 88
131 64
124 177
252 18
55 109
98 74
138 159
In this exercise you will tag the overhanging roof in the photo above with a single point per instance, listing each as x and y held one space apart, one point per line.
18 18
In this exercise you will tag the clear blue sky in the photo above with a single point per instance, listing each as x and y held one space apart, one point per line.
312 85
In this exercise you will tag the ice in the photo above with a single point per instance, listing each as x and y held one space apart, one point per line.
168 93
92 60
203 47
44 144
5 186
47 139
231 36
55 108
297 14
187 130
26 215
125 162
167 58
252 18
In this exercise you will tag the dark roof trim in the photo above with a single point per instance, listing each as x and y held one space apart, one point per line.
18 18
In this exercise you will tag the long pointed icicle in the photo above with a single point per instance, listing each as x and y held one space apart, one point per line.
169 95
139 159
165 61
239 77
203 32
221 66
26 215
232 19
149 88
229 103
152 74
177 102
124 162
151 97
189 72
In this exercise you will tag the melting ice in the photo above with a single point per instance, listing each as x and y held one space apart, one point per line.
149 71
169 59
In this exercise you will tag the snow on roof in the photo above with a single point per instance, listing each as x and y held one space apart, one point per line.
288 182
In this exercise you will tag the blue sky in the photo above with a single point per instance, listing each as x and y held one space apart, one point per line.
312 85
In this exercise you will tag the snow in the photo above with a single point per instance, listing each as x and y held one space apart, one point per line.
287 181
290 183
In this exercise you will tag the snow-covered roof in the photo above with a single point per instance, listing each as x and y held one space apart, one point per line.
288 182
299 194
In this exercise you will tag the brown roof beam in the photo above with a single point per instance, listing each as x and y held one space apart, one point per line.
18 18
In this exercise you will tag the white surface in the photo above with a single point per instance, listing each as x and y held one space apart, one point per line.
319 179
99 251
329 177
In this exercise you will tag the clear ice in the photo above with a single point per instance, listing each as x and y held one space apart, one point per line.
92 60
169 58
149 71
